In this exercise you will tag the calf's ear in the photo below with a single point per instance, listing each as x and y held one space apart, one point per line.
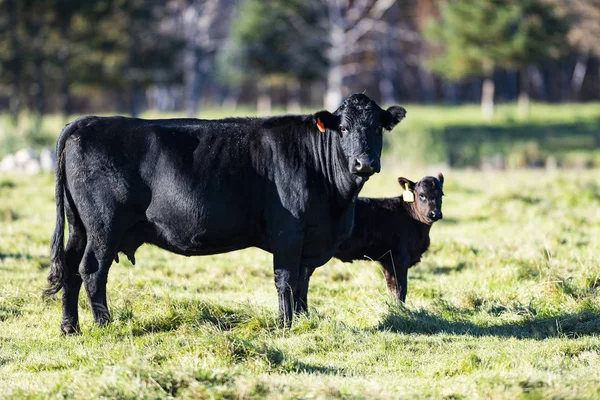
392 116
326 120
440 177
406 184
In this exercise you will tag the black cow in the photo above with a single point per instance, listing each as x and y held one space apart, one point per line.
285 184
393 231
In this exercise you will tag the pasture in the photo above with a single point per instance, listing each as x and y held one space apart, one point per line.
504 305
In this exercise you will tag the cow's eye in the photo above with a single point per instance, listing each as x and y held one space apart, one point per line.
344 130
422 197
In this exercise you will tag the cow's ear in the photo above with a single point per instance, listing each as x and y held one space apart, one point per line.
406 182
392 116
440 177
326 120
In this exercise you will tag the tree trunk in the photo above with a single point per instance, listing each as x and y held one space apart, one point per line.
538 83
427 84
135 101
192 80
232 98
66 91
523 102
15 92
579 75
386 83
451 92
293 99
263 105
487 98
40 85
65 84
335 56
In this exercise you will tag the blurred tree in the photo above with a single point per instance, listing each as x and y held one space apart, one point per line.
136 49
346 24
540 35
11 53
474 37
583 17
265 48
58 43
49 44
315 38
197 23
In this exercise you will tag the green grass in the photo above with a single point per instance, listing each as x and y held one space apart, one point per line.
504 305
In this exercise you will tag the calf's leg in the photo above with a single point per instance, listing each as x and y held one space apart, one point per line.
395 272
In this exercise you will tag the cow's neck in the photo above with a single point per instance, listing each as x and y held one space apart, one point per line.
333 165
411 210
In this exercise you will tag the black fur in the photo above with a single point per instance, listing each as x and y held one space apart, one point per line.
393 232
198 187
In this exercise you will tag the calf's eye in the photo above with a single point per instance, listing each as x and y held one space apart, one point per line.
344 130
422 197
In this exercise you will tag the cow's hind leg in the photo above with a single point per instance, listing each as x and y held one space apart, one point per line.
100 251
94 267
72 283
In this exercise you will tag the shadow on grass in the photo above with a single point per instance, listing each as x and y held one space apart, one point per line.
279 361
195 313
449 221
445 270
16 256
468 145
423 322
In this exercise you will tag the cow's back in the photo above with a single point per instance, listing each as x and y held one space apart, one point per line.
185 185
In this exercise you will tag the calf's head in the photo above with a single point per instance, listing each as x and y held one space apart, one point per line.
360 122
428 194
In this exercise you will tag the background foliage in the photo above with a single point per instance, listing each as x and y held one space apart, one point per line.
126 56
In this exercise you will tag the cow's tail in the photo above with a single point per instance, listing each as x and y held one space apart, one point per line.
57 274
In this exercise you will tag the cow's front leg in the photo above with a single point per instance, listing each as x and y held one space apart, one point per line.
301 295
286 264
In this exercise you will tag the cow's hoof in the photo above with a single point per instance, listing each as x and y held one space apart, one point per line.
285 323
68 328
102 320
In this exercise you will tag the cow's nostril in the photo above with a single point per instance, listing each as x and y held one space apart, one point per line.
363 166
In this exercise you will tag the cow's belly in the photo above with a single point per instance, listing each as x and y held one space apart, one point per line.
201 241
202 228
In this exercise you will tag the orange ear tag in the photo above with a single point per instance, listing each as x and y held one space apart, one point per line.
320 125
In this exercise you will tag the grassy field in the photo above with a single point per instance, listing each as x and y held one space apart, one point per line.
504 305
452 135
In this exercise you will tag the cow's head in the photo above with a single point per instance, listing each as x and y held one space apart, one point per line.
428 194
360 122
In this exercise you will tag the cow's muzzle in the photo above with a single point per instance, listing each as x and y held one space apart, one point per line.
365 166
435 215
